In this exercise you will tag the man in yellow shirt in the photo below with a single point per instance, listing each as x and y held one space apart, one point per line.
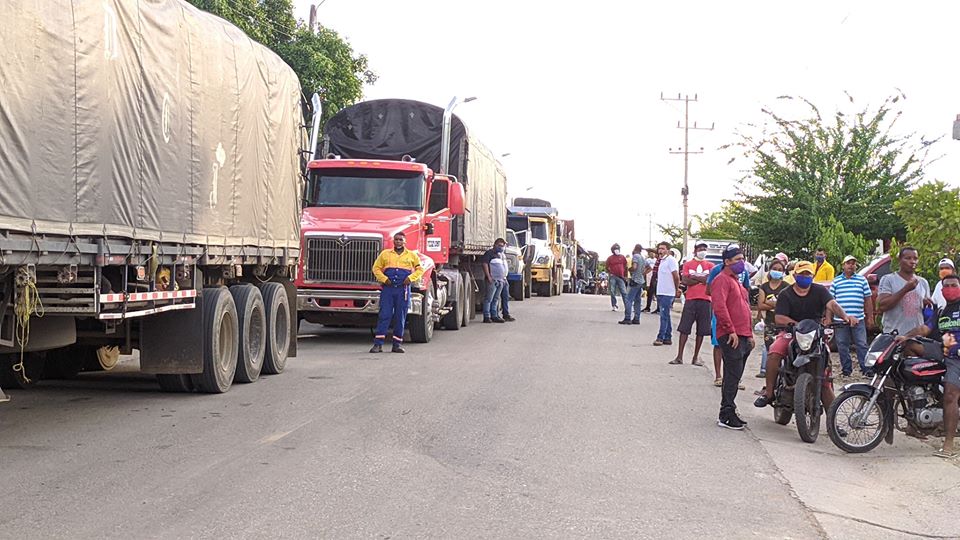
395 269
825 271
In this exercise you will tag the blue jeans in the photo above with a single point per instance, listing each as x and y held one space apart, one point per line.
618 287
665 305
633 305
858 336
505 297
492 299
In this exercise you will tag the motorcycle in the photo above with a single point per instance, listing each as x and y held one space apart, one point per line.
800 380
864 414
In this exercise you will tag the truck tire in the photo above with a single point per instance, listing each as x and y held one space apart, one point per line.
33 364
277 312
221 342
175 383
452 320
253 332
516 290
467 296
421 326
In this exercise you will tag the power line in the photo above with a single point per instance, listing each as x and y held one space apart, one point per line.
686 99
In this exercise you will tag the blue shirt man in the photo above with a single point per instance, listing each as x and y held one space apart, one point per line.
852 292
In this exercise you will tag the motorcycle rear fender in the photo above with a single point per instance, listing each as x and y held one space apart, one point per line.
885 402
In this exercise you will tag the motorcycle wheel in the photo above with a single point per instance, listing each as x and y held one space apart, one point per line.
868 433
805 408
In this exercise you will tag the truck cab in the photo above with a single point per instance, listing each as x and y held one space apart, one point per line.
352 210
545 238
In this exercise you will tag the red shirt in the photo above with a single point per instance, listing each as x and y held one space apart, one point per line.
731 305
617 265
697 268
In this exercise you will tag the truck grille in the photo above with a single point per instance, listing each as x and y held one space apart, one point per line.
341 259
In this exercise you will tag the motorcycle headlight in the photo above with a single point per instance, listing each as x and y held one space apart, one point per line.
805 341
871 359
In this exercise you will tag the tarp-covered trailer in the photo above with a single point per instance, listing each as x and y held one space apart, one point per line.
149 192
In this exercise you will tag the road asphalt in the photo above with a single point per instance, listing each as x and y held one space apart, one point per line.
563 424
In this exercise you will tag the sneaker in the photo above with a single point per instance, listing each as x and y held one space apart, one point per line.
761 375
635 321
656 311
508 318
741 420
487 320
667 342
646 310
657 343
497 319
376 349
731 423
762 401
625 321
397 348
614 308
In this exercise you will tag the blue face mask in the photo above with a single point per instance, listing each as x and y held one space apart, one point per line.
804 281
820 259
776 274
498 249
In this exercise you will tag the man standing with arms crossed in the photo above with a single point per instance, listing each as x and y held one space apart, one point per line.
395 269
731 304
697 307
617 270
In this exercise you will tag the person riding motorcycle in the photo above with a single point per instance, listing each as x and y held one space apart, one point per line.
803 300
944 326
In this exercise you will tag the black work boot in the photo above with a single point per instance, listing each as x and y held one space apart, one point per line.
376 348
397 348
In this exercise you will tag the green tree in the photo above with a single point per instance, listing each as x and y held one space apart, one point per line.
721 225
803 172
932 215
839 242
674 234
324 62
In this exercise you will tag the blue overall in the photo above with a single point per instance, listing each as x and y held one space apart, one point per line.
394 303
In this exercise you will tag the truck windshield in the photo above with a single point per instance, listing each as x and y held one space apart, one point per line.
538 229
401 190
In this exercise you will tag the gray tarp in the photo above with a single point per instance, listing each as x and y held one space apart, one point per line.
146 119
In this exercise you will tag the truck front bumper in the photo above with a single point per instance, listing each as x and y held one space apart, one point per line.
346 301
540 273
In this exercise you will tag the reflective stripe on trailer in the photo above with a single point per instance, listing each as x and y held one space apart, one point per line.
132 314
146 296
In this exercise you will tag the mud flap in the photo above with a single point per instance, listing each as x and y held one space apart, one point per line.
172 343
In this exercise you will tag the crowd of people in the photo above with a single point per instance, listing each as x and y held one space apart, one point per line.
717 302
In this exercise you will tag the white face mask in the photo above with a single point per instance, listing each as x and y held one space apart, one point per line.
616 252
701 254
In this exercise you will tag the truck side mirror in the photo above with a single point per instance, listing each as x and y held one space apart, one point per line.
428 228
455 199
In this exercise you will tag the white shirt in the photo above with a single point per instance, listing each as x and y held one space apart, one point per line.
665 284
937 296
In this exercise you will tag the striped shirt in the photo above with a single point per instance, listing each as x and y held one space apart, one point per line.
850 293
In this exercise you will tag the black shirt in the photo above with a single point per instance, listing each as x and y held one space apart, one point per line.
489 255
798 308
768 291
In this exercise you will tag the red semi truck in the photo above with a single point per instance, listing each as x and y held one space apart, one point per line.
149 194
386 169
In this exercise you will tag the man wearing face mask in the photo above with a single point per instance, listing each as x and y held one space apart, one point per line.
824 271
495 272
731 303
946 268
617 269
696 309
804 300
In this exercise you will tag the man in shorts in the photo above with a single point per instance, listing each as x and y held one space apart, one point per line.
697 306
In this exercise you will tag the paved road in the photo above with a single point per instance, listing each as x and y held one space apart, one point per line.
563 424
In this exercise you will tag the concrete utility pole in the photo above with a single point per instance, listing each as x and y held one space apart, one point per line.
686 127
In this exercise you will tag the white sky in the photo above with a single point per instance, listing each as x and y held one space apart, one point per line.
572 89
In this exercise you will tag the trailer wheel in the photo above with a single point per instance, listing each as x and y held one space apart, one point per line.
175 383
253 334
421 326
277 312
33 364
221 342
470 306
516 290
453 319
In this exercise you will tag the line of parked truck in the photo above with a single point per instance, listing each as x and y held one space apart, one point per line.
160 196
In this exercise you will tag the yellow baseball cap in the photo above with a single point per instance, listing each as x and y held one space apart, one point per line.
804 266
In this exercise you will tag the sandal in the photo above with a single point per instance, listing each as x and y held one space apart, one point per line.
657 343
718 382
941 453
675 362
697 362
